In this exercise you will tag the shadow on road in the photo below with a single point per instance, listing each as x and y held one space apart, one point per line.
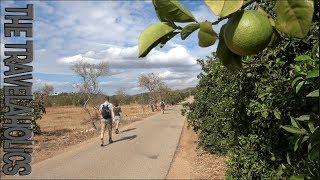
130 129
122 139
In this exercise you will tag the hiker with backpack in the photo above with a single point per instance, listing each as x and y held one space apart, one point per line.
162 105
107 118
117 116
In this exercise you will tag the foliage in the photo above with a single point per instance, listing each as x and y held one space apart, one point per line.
37 104
260 116
67 99
241 112
291 18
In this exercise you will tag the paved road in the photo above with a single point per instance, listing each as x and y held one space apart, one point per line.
144 150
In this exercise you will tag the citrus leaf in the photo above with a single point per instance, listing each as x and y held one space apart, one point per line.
275 39
314 153
313 73
297 144
304 139
187 30
224 7
302 58
311 127
295 81
294 17
296 177
294 122
152 36
294 130
226 56
298 87
206 35
314 93
166 38
288 158
303 118
315 137
277 113
172 11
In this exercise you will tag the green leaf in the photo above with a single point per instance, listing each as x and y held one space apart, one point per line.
302 58
288 158
224 7
311 127
296 177
314 93
294 17
275 39
187 30
314 153
297 144
315 136
152 36
206 35
277 113
303 118
313 73
295 81
166 38
172 11
279 61
229 59
298 87
294 122
294 130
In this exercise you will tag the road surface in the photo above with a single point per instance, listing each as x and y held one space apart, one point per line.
143 150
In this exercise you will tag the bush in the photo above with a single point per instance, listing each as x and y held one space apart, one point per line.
37 104
241 113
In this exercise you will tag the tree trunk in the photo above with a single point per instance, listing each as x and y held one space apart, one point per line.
88 112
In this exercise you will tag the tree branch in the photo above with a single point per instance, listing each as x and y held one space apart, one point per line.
226 17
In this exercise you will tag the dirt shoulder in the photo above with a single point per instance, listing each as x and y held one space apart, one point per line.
192 163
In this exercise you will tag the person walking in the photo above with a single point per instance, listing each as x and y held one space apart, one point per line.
162 105
117 116
107 119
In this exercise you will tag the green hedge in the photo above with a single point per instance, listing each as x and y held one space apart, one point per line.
240 114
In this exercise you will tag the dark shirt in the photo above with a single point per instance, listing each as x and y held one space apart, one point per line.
117 111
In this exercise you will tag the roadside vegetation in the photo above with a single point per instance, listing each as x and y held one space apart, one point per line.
257 100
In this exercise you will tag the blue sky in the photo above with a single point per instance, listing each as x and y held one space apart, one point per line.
67 31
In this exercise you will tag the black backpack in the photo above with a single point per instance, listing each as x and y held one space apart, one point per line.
106 112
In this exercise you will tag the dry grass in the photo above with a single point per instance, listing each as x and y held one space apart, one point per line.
65 126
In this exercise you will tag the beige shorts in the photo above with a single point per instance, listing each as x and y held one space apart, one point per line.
117 119
106 123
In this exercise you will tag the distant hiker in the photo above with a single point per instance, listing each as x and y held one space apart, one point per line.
117 116
162 105
107 118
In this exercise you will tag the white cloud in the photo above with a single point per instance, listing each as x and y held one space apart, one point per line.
126 58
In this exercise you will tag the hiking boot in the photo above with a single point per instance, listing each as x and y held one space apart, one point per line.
101 142
110 141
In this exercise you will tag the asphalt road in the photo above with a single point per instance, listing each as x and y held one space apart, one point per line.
143 150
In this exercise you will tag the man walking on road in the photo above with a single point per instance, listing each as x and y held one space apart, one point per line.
117 116
162 105
107 118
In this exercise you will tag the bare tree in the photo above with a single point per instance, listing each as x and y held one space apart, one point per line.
47 89
121 95
152 83
89 74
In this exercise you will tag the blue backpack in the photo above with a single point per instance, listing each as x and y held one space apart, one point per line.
106 112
